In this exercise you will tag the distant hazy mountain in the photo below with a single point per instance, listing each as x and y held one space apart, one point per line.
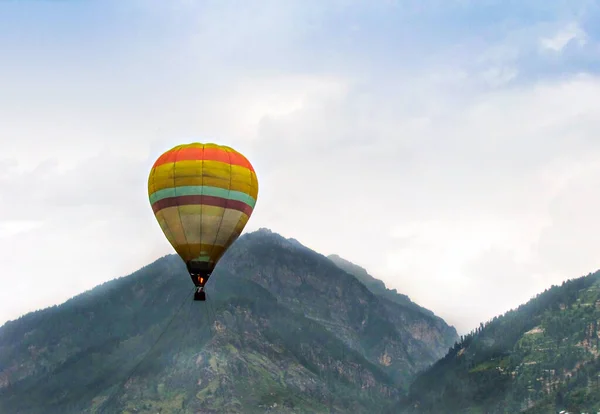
540 358
283 330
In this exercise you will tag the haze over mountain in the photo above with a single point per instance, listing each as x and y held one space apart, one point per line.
284 329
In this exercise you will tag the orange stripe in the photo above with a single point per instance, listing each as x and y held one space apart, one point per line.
206 153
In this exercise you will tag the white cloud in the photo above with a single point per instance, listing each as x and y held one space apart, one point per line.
569 33
443 201
463 187
256 100
498 76
13 227
452 176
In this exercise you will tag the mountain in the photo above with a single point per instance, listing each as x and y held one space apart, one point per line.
412 314
283 330
542 357
377 286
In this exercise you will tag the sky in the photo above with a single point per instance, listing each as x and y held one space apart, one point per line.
450 147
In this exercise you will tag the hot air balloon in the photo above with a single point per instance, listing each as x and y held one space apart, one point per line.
202 196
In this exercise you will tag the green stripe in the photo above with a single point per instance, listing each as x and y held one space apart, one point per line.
202 190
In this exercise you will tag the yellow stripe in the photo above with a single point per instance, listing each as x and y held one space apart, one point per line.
195 167
188 226
192 251
214 174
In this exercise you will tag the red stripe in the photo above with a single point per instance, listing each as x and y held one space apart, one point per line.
204 200
203 153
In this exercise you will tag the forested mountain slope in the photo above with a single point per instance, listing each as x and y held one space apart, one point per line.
539 358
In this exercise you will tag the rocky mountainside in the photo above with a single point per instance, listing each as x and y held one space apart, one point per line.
378 288
542 357
284 329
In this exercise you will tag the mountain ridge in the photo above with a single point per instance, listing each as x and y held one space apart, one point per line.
330 271
287 329
283 330
377 286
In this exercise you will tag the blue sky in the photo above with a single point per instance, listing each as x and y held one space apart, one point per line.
450 147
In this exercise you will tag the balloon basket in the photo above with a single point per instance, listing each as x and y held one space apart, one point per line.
200 295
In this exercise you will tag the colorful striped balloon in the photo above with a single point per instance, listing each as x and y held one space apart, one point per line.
202 196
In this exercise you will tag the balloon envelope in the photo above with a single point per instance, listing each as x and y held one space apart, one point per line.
202 196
